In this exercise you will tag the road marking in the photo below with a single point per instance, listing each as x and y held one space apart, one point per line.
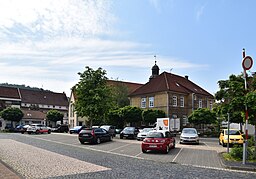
177 155
138 154
119 147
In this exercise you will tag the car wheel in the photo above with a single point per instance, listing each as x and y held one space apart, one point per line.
29 132
223 144
49 131
37 132
219 142
81 142
167 149
173 145
121 137
144 151
98 141
22 132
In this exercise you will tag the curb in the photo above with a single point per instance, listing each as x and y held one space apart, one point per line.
9 172
225 164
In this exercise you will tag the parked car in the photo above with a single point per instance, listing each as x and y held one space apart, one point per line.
111 129
75 129
94 135
18 128
189 135
158 141
24 128
62 128
235 137
38 129
143 133
129 132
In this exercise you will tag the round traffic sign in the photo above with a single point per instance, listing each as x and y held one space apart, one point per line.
247 62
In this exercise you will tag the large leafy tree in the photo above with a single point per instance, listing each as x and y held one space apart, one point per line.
150 115
54 115
202 116
231 98
12 114
120 94
115 118
131 114
94 97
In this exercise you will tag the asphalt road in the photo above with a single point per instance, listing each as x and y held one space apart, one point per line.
62 156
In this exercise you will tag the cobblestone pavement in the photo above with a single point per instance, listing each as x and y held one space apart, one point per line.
58 160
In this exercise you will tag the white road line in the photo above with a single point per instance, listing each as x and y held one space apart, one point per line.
119 147
177 155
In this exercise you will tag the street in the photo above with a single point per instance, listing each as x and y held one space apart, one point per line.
62 156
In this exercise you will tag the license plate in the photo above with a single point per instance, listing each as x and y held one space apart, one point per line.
125 135
152 146
85 134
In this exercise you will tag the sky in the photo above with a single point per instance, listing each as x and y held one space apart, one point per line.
45 44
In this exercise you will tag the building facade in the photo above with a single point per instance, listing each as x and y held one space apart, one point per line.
34 103
177 96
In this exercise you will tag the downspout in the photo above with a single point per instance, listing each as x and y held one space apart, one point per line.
167 105
192 104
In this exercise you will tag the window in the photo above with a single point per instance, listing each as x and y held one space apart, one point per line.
210 104
143 102
174 100
200 104
151 102
182 101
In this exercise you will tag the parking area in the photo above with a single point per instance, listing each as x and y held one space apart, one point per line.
204 155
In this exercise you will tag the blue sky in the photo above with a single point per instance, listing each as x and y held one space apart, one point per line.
46 43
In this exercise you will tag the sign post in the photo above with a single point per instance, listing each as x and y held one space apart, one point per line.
247 64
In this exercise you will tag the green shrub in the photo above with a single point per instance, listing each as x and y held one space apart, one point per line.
236 152
251 141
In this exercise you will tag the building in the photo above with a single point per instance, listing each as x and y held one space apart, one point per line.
34 103
177 96
75 120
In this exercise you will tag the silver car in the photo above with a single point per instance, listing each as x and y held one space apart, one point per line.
143 134
189 135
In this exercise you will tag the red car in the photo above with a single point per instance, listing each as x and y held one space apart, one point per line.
158 141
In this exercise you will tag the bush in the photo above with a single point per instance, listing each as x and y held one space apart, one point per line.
236 152
251 141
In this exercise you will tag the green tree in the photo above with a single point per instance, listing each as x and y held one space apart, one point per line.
12 114
231 97
115 118
120 94
131 114
94 98
150 115
202 116
54 116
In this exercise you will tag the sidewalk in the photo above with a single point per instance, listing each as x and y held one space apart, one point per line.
7 173
238 165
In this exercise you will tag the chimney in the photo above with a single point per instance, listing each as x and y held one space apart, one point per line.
186 76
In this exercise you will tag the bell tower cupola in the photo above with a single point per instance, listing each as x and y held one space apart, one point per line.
155 71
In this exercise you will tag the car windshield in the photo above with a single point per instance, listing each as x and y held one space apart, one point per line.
147 129
189 131
129 129
233 132
105 127
77 127
155 135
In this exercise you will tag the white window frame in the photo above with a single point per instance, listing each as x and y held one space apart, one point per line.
143 102
210 104
174 100
151 102
182 101
200 103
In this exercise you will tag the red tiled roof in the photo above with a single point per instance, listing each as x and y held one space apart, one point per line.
170 82
43 97
9 92
131 86
33 114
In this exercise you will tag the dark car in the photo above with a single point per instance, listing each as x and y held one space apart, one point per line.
94 135
18 128
111 129
129 132
62 128
75 129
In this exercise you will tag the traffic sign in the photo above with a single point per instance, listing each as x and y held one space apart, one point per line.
247 63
